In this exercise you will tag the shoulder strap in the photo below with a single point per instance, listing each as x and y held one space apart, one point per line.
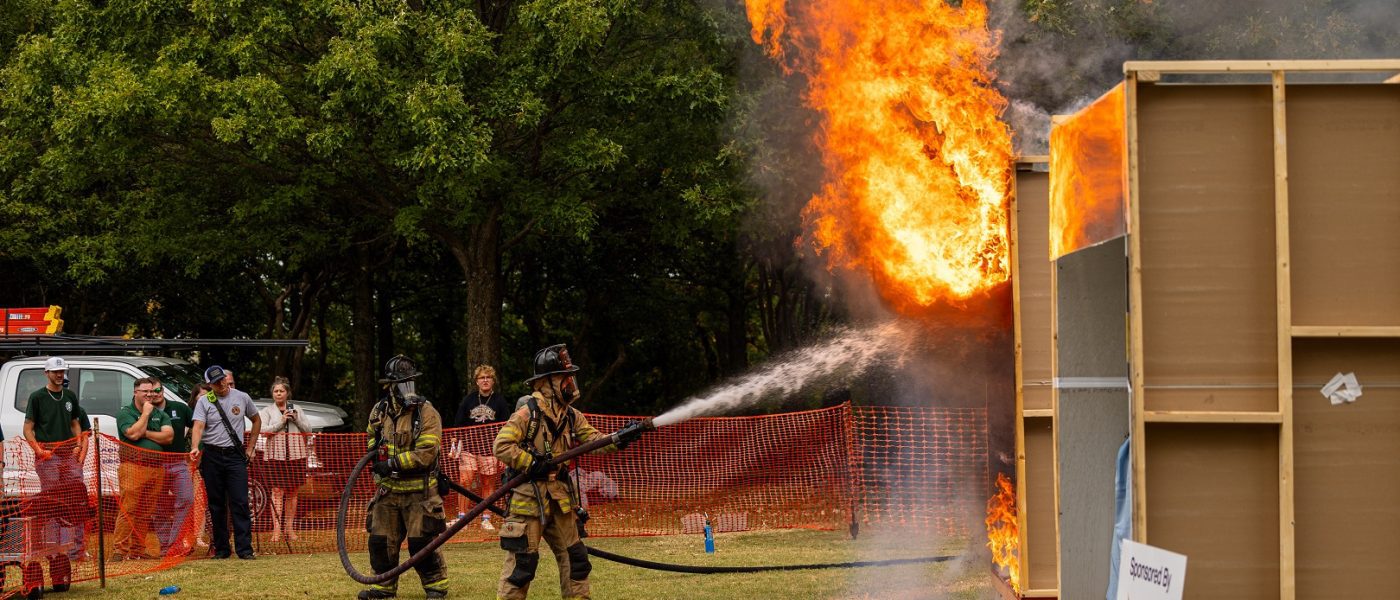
233 437
534 427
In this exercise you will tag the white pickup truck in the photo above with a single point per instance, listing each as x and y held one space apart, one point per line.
103 385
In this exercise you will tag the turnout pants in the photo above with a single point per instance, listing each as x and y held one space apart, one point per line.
416 516
562 536
225 476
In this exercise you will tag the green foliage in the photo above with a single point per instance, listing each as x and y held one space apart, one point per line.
199 168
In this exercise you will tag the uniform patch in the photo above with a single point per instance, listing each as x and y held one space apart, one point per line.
236 410
68 406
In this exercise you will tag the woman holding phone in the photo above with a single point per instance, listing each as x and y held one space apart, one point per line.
285 456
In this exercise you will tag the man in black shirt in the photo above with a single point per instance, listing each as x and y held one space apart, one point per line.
483 406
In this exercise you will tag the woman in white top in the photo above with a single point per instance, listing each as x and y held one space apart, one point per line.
284 455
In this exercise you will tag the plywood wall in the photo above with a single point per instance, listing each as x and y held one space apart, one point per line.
1207 238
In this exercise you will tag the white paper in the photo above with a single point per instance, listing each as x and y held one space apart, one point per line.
1342 388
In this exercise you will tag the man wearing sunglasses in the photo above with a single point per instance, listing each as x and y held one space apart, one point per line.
169 519
144 430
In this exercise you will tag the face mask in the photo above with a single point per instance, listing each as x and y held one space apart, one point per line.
405 391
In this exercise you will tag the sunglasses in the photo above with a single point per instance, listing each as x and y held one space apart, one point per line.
151 391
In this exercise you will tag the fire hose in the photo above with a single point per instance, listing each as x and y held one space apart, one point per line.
489 502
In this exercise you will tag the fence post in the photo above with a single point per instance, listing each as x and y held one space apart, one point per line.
101 514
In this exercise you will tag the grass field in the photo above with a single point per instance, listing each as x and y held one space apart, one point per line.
475 568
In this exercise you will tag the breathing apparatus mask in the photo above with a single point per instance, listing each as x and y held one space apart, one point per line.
555 360
399 374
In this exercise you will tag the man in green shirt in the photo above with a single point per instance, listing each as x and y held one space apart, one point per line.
171 512
143 430
53 432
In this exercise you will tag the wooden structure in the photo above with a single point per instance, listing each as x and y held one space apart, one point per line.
1035 426
1261 207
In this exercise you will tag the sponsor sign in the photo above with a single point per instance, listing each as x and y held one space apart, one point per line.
1148 573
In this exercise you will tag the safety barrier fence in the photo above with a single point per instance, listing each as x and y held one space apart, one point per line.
820 469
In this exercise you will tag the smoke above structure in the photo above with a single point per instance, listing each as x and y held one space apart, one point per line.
1058 55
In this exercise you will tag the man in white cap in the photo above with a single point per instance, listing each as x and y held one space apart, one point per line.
52 429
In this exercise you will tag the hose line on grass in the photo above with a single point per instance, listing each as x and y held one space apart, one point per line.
489 503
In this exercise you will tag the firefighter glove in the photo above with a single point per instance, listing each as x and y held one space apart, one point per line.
539 467
383 468
632 430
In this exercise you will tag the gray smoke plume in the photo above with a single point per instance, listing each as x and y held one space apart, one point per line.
1057 55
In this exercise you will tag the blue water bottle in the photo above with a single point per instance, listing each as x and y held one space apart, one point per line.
709 537
169 589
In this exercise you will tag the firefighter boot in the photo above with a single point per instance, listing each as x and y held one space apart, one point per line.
376 592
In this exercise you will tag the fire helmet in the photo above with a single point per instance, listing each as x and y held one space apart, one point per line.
553 360
399 368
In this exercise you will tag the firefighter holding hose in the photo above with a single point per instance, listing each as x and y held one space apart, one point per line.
545 506
407 431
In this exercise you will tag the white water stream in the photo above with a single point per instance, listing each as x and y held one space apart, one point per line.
849 351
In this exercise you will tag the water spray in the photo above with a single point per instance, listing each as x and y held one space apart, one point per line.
852 351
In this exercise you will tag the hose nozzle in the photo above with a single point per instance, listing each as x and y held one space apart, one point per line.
631 431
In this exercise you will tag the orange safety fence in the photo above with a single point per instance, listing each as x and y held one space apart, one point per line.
921 468
60 523
819 469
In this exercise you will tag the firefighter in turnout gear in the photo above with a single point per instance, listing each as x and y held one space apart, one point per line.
544 506
407 432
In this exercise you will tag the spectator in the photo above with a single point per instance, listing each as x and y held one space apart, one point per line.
178 482
482 406
53 432
225 467
143 430
284 456
229 375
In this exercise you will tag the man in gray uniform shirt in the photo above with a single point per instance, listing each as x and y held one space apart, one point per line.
217 447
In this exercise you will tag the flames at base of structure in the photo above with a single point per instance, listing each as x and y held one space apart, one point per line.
1003 534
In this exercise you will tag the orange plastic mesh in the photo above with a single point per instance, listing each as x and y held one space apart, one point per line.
52 507
901 467
922 468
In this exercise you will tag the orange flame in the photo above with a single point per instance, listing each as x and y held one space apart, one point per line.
1088 177
1003 534
918 163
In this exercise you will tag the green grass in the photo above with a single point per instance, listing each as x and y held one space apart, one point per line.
474 569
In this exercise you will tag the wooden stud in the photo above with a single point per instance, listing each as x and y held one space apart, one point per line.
1395 79
1203 416
1283 284
1346 331
1258 66
1039 413
1055 415
1135 308
1032 159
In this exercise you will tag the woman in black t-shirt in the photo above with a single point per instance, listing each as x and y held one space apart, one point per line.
482 406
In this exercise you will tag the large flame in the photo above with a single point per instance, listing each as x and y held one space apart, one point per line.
1003 533
1088 175
918 163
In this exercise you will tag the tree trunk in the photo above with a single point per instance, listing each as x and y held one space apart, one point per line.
479 257
362 339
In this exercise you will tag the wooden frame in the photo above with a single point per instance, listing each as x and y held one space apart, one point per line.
1300 317
1031 514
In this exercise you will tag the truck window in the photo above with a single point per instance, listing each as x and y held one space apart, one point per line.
29 380
102 391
